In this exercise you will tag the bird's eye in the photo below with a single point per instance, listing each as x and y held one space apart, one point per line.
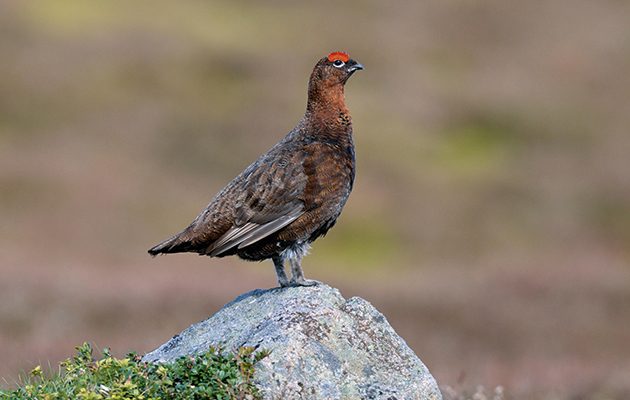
339 63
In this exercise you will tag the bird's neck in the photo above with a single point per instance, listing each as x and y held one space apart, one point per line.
326 111
326 98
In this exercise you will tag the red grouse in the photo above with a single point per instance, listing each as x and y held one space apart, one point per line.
291 195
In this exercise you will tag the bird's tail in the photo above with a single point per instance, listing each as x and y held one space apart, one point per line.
175 244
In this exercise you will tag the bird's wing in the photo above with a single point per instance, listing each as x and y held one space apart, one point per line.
251 232
269 201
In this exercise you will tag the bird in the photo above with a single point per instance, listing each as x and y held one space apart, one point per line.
292 194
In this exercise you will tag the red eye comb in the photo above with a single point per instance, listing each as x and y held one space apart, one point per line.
338 55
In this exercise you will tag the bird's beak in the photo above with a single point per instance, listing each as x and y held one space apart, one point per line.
355 67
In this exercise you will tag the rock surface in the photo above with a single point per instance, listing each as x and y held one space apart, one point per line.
322 346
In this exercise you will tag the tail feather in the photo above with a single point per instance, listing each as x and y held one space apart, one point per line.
174 244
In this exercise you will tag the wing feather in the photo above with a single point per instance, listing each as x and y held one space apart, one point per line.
267 229
269 201
250 233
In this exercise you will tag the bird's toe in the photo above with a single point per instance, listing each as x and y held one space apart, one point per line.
303 282
284 283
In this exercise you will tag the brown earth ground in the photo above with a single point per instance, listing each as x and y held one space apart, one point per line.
490 220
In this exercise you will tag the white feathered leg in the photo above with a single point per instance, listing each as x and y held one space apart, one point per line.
283 281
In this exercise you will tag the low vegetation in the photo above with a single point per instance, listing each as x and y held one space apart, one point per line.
211 375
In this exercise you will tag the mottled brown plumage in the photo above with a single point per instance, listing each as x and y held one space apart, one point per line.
292 194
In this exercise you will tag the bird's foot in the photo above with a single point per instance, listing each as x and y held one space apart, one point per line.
284 282
303 282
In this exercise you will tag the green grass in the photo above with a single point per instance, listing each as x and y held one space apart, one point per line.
211 375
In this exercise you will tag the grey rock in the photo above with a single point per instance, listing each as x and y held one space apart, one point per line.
322 346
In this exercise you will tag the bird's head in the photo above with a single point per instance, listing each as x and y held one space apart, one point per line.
329 77
335 69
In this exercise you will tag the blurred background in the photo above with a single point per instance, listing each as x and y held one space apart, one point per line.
490 220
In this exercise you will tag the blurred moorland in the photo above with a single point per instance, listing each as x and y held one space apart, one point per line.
490 219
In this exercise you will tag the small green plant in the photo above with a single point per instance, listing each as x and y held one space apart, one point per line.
211 375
